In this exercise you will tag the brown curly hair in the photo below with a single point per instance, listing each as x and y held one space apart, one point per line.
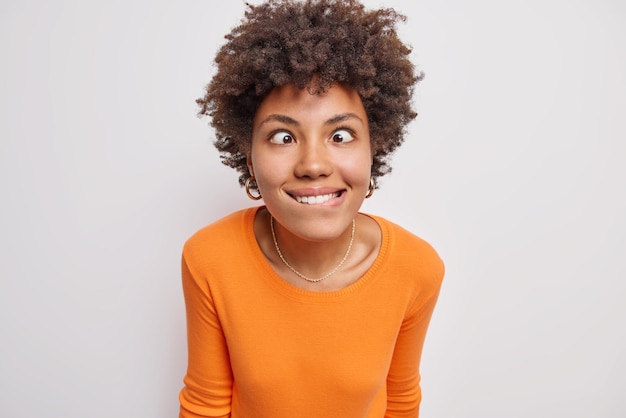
335 41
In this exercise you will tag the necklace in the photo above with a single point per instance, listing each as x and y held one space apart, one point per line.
308 279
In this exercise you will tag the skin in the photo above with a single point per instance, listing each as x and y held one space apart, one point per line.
314 146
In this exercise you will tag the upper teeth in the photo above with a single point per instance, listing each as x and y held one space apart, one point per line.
316 200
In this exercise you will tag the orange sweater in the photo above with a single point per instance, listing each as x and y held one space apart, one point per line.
260 347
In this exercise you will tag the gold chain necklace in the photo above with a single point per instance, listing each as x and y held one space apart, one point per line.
308 279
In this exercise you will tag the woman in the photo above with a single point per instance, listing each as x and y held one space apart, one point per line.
305 307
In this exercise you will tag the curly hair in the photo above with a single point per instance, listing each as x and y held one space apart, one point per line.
334 41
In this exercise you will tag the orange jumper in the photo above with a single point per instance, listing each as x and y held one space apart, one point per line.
262 348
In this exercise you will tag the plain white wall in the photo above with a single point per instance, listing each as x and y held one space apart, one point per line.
515 171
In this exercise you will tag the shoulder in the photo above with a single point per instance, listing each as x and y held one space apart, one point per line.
409 255
224 236
405 241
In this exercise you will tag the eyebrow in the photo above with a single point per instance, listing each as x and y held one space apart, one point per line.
290 121
342 117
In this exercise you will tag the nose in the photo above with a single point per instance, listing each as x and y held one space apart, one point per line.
314 160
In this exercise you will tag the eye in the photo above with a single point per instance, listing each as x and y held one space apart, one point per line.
342 136
281 138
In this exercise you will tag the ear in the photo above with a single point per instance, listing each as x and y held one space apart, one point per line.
249 163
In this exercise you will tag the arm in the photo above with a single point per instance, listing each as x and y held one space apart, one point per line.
403 390
208 382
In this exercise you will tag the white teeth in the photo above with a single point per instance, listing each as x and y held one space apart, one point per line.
316 200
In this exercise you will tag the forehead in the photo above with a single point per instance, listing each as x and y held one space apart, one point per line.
300 104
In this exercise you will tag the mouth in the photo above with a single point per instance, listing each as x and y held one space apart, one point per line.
317 199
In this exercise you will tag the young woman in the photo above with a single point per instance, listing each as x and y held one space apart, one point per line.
305 307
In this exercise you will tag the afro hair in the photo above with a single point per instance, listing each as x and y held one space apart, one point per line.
332 41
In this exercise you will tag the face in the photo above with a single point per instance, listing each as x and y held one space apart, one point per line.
311 157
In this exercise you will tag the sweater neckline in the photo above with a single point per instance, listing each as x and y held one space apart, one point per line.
294 292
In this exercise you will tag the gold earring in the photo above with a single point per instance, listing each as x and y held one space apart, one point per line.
249 181
370 190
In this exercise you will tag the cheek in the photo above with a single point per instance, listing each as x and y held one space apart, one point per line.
267 168
361 162
357 170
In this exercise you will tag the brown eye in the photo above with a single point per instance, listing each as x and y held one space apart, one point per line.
281 138
342 136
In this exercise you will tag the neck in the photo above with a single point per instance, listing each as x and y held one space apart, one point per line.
315 260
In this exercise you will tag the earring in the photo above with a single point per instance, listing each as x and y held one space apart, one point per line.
249 180
370 190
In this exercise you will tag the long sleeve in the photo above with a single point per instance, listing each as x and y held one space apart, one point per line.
261 347
403 381
208 382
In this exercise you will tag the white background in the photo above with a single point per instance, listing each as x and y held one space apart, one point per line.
515 171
